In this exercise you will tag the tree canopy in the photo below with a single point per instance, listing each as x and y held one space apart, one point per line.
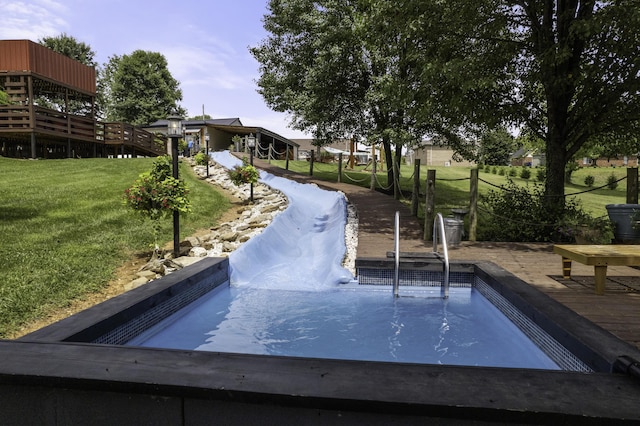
136 88
564 72
71 47
139 89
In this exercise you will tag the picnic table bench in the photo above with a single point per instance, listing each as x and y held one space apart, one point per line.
600 256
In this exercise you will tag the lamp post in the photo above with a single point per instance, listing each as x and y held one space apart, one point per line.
174 132
251 142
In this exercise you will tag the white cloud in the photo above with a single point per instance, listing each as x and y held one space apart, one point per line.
32 21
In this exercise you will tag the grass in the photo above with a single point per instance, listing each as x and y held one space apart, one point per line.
65 229
452 183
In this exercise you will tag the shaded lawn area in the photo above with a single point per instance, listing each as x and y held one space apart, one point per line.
65 229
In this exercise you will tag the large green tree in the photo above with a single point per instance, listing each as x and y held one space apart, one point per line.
318 65
139 89
566 72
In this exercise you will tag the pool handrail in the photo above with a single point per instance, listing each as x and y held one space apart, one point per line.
438 228
396 255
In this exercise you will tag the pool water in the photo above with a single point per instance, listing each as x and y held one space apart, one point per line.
350 324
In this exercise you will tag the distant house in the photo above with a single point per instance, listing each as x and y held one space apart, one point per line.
618 161
527 157
432 154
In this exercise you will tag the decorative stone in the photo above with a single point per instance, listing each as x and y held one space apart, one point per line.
198 252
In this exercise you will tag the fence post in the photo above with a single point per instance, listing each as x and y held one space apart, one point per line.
340 168
416 187
396 180
269 153
311 163
632 185
373 174
473 205
286 163
430 203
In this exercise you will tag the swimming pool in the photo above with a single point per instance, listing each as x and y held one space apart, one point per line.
352 324
83 360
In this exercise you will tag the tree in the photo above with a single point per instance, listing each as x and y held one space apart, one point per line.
4 98
139 88
568 73
70 47
496 146
317 65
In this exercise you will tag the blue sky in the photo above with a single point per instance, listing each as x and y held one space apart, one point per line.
205 43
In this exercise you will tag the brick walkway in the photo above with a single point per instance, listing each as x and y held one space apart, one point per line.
618 311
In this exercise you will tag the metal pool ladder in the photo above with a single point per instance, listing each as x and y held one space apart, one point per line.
438 230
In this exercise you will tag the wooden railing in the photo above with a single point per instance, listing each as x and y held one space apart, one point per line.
16 119
117 133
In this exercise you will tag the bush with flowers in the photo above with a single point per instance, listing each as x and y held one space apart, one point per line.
244 174
156 194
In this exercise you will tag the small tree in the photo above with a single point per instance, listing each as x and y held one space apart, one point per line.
156 194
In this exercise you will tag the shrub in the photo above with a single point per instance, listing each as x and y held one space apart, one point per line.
501 172
525 173
201 159
612 182
512 172
156 194
244 174
541 174
519 214
494 170
589 180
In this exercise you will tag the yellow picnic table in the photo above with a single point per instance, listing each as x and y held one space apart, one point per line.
600 256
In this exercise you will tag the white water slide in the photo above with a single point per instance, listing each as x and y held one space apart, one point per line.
302 248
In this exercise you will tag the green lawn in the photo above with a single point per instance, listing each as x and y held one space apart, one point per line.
65 229
452 183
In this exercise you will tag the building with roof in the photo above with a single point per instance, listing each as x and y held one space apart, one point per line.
218 134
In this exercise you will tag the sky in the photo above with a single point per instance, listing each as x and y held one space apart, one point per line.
206 44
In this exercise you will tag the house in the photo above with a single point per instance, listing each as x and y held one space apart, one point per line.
433 154
527 157
229 133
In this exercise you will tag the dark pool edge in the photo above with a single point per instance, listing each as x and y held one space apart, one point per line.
397 391
46 379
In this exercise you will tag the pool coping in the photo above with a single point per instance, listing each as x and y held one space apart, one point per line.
45 376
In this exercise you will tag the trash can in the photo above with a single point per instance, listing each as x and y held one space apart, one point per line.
453 229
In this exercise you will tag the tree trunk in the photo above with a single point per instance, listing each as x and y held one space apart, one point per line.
396 181
386 146
556 159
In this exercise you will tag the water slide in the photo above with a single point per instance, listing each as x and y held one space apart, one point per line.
302 248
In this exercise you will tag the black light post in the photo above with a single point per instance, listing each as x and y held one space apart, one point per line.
174 132
251 142
206 139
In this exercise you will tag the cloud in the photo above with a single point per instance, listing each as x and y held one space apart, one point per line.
33 20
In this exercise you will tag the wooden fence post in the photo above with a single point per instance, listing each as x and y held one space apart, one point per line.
416 187
339 167
311 163
373 174
473 205
429 208
632 185
269 153
286 163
